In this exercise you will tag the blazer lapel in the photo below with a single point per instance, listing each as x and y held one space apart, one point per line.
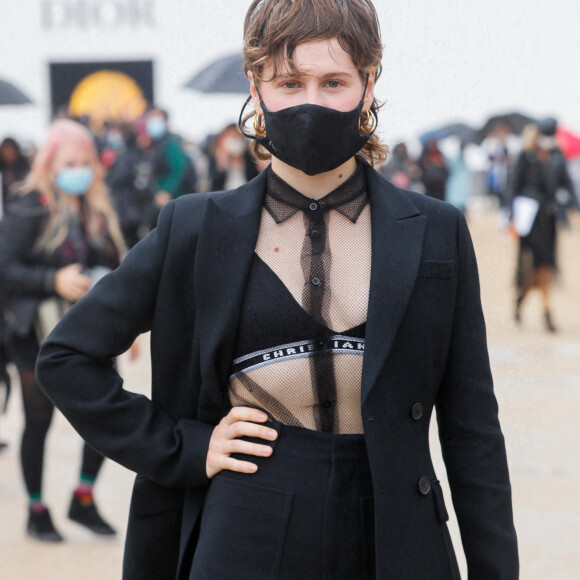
397 238
225 249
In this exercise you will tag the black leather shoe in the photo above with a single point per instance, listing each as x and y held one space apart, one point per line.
40 527
88 516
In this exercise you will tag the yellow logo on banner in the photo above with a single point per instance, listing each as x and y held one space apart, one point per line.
107 95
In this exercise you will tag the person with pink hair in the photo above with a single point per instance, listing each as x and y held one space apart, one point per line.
58 235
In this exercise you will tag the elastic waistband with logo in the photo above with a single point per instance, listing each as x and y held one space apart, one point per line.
337 344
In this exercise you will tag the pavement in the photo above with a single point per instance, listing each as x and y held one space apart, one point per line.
537 382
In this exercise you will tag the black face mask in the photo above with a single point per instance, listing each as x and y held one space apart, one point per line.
312 138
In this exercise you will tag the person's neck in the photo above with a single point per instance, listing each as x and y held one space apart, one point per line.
73 202
314 186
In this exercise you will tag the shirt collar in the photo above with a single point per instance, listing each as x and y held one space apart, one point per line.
282 201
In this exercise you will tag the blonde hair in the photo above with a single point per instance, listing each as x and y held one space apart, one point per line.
274 28
530 137
101 219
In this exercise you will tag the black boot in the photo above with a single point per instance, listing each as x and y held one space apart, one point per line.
88 516
517 316
41 528
548 320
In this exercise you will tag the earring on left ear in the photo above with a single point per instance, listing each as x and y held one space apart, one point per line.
368 121
260 125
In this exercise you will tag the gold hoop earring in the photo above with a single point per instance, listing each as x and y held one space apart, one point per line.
260 125
368 121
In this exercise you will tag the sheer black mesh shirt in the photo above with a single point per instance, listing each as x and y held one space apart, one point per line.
301 334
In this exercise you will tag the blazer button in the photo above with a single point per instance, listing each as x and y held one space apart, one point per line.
417 411
424 485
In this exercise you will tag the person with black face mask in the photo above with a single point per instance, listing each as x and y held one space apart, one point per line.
304 327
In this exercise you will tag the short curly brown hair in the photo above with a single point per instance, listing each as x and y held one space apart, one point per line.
274 28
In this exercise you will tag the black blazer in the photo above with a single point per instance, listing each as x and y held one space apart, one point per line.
425 348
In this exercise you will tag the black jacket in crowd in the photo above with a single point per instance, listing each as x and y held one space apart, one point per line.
26 275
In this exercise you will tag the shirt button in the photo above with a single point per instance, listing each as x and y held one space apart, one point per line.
327 404
313 206
315 233
316 281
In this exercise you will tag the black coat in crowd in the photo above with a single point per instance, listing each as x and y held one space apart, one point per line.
531 178
130 192
26 274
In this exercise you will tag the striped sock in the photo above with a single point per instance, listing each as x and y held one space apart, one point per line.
84 490
36 504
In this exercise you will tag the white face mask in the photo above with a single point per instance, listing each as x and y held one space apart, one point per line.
234 146
547 143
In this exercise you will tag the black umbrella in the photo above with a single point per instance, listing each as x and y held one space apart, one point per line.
514 121
224 75
10 95
462 131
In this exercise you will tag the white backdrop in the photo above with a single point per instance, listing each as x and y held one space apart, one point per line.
444 60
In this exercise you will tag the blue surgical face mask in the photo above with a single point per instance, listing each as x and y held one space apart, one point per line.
75 180
156 128
115 140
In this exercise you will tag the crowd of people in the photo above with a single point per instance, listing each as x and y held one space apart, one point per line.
532 188
70 213
88 195
85 198
448 177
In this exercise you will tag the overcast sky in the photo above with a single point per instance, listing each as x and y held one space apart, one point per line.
444 60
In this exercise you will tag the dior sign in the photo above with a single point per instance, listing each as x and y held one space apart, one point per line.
84 14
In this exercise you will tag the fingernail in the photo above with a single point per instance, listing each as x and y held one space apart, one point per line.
273 435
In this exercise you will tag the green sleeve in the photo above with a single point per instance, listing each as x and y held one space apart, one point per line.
176 162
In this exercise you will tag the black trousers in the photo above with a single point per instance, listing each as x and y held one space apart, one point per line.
306 514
